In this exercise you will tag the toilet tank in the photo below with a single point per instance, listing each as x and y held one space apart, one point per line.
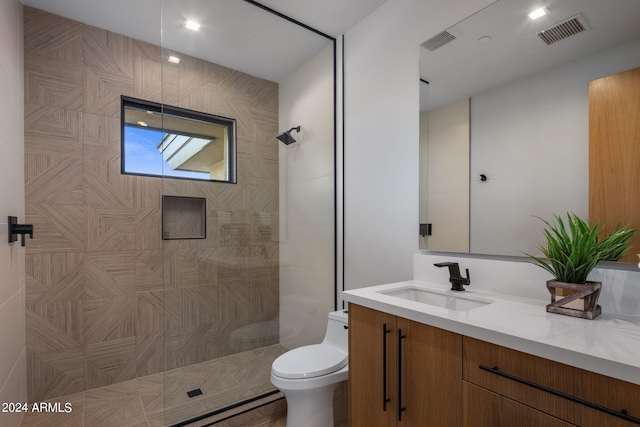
337 330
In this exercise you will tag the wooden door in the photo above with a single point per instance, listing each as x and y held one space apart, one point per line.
372 368
430 372
614 152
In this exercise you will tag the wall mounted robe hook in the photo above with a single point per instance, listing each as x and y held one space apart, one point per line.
15 229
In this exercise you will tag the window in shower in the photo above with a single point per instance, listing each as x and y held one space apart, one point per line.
171 142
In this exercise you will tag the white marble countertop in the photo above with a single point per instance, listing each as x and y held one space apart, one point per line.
608 345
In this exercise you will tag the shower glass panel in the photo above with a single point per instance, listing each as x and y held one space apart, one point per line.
260 280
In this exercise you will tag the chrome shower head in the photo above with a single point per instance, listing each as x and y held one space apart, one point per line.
286 136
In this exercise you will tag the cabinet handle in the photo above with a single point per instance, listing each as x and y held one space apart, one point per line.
385 399
622 414
400 407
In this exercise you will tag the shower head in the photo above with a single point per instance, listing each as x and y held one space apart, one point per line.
286 136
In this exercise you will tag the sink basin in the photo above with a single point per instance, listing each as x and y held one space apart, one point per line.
437 299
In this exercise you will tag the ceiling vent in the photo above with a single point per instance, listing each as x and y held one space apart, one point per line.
567 28
439 40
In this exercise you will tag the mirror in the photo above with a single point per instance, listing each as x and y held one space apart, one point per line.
523 85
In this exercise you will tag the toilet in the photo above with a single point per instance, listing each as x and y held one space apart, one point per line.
308 376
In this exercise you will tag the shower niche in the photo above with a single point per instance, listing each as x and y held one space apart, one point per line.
184 218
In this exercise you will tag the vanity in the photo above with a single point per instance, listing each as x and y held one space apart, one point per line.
423 355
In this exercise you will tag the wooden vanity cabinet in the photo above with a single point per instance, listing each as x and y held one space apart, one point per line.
564 392
483 408
402 372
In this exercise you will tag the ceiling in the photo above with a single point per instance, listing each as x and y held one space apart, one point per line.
465 67
234 33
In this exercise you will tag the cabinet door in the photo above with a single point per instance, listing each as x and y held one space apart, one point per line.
614 152
430 373
483 408
372 373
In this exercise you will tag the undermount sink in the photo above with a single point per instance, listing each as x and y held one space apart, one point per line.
437 298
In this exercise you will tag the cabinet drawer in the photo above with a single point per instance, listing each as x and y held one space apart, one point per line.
483 408
563 391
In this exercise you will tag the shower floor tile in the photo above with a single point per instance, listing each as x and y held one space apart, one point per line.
161 400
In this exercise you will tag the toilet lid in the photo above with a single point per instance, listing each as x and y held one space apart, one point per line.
309 362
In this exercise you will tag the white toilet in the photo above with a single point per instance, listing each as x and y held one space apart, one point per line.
308 376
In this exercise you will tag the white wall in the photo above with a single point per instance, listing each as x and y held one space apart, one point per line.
307 201
381 170
13 386
531 138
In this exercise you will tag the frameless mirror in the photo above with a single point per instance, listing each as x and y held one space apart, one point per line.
165 141
523 149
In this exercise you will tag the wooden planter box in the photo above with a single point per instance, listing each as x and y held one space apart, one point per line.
575 300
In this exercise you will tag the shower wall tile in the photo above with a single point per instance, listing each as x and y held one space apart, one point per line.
54 278
60 228
107 299
101 138
110 228
149 271
53 83
234 228
104 185
190 267
45 337
262 195
107 52
103 91
232 197
149 354
241 112
49 379
150 313
109 274
264 100
148 192
147 78
64 316
148 228
109 318
199 305
53 131
233 263
53 179
52 36
265 122
110 362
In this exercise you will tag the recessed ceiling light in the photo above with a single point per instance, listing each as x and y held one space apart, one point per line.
484 39
174 59
192 25
142 124
538 13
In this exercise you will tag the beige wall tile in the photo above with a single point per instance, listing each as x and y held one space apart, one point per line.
102 284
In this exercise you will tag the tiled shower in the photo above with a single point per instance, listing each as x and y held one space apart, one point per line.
108 301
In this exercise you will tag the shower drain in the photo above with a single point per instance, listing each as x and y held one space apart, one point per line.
194 393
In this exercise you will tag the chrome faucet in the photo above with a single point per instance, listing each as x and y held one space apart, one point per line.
457 281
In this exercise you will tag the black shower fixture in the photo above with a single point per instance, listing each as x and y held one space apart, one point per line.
286 136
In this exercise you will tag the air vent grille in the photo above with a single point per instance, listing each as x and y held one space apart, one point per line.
563 30
439 40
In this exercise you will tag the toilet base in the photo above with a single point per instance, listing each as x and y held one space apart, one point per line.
310 407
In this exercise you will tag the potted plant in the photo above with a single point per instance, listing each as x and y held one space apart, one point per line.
570 253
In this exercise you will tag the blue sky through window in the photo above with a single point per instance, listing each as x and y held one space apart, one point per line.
141 155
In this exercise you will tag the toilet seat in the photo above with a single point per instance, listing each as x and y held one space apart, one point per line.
309 362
